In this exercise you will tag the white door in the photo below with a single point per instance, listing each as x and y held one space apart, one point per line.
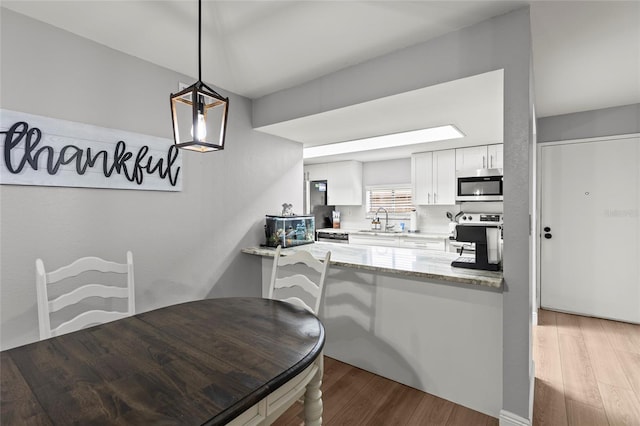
590 226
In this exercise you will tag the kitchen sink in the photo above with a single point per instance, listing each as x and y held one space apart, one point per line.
379 231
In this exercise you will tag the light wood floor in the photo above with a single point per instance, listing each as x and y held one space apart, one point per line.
587 371
352 396
587 374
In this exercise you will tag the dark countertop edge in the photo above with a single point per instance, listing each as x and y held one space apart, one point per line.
476 281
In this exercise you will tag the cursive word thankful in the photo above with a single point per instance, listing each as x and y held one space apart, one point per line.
132 165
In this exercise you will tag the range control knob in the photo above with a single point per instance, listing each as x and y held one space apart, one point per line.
470 218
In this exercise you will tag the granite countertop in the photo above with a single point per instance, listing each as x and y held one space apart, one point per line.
425 235
402 261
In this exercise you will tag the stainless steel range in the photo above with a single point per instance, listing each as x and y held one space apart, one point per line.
481 219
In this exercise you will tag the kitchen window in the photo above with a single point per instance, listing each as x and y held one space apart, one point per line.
397 200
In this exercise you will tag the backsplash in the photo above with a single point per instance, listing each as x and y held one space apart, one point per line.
431 219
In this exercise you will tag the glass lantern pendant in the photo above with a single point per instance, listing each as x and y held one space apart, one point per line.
198 112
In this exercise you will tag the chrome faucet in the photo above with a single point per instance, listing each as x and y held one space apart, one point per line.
386 218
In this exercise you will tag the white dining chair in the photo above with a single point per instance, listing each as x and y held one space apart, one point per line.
302 389
83 315
314 289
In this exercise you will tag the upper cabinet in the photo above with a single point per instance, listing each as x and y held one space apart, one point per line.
433 175
344 181
494 156
479 157
316 171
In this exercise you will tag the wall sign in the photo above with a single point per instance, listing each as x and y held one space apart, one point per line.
45 151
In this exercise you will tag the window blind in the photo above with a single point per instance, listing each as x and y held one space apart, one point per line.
393 199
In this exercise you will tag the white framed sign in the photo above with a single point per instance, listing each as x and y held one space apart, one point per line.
46 151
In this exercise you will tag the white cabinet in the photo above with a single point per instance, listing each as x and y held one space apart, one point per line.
437 244
316 171
444 177
344 181
470 158
479 157
374 240
399 240
434 179
494 156
422 175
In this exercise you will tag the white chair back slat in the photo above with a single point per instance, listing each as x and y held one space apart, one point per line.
87 318
299 280
86 291
302 257
299 302
85 264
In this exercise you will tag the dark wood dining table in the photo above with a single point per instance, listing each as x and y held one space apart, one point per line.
211 361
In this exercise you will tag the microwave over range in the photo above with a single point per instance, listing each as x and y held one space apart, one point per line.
479 185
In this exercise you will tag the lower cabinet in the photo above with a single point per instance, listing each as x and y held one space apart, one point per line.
374 240
399 240
423 243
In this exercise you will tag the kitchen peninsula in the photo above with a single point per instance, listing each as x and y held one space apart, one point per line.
406 314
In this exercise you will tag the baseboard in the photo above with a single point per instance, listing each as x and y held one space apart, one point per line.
509 419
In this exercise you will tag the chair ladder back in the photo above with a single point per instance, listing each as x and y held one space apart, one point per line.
302 281
298 280
79 266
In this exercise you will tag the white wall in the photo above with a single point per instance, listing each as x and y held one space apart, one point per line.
186 245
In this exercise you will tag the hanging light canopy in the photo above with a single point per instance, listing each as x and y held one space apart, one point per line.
198 112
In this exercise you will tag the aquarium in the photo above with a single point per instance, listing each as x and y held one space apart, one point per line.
289 231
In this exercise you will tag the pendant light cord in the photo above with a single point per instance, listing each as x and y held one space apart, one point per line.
199 40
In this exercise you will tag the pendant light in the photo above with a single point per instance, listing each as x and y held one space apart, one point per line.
198 112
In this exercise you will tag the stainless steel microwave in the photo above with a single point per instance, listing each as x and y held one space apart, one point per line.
479 185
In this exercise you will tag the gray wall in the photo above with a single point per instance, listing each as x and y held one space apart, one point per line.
186 245
500 43
621 120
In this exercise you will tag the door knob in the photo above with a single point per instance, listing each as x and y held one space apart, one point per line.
547 236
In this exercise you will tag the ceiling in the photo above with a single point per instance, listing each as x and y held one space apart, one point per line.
586 54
